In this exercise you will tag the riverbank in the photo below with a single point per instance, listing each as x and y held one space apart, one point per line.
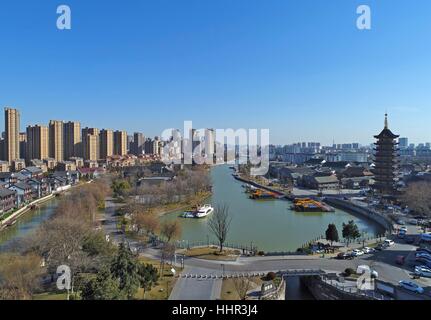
258 185
165 210
10 220
365 212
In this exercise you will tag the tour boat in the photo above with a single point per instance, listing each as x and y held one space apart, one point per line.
204 211
201 212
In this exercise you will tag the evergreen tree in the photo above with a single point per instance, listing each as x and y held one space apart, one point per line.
350 231
125 269
332 233
103 287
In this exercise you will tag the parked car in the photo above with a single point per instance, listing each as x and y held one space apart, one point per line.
409 240
426 237
424 261
369 250
423 249
344 256
411 286
414 222
404 229
401 222
357 253
423 271
425 255
389 243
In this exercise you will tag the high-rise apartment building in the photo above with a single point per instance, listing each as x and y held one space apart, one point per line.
137 146
37 143
22 145
11 142
106 143
88 150
91 144
72 140
120 143
56 140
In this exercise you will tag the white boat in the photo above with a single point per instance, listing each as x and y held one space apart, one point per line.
204 211
189 214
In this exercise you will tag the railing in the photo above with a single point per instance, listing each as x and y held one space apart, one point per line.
353 289
184 244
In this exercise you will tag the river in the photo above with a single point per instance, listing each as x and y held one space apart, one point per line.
26 224
270 225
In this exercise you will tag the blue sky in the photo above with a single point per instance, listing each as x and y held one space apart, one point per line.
298 67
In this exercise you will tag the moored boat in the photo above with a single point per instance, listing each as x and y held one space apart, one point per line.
200 212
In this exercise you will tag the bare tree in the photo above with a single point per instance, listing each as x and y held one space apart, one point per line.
219 223
171 230
146 221
242 286
418 197
19 276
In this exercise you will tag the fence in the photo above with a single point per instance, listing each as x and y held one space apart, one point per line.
184 244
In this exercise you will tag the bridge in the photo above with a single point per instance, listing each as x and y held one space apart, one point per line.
234 275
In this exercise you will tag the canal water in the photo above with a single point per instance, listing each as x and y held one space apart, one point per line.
269 224
26 224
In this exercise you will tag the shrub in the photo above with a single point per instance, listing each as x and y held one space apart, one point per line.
271 276
349 271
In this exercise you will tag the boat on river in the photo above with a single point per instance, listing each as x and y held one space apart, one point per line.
310 205
201 212
263 195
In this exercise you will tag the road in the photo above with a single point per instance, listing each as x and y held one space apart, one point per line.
196 289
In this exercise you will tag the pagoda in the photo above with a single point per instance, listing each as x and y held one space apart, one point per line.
385 162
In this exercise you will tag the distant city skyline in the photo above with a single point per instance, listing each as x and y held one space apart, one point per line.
299 68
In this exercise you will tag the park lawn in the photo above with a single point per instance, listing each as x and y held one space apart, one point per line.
50 296
212 253
228 291
164 284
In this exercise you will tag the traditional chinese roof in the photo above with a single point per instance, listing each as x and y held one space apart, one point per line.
386 133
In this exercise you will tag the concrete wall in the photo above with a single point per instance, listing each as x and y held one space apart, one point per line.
383 221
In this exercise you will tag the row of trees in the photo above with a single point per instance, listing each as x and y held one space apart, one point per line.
183 187
417 197
350 232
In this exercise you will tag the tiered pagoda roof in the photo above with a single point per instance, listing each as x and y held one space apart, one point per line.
386 161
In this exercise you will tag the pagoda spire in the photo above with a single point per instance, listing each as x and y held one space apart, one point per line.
386 121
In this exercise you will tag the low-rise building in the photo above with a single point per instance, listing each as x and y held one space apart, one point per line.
66 166
32 172
18 165
40 164
51 163
321 183
79 162
24 192
7 200
4 166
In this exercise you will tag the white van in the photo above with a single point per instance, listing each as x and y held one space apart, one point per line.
389 243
